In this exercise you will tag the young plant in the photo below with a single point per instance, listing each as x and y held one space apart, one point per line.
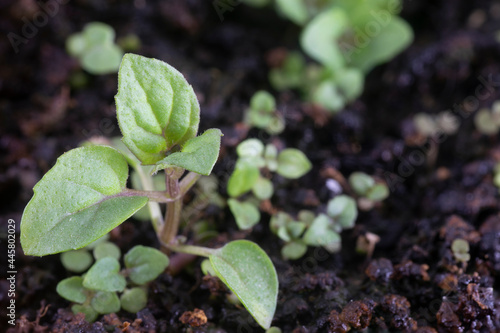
262 113
95 49
84 195
252 158
96 292
487 121
310 230
460 249
369 191
430 126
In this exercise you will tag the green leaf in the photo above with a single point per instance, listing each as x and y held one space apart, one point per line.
378 192
343 210
247 270
245 213
134 300
263 101
320 234
98 33
145 263
327 95
293 250
361 182
319 37
90 314
250 148
263 188
72 289
105 302
76 261
242 180
79 200
281 219
292 163
107 249
102 59
104 276
197 154
295 10
156 107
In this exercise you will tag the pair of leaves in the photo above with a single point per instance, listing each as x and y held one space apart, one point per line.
158 111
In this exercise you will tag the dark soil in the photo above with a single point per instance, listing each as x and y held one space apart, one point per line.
411 283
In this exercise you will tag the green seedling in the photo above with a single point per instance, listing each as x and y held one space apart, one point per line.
94 47
348 38
96 292
262 113
84 196
431 126
460 249
311 230
253 157
487 121
370 192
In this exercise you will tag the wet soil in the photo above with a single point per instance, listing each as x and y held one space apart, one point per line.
441 188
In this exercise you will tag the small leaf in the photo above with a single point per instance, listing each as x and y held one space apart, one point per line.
72 289
90 314
343 210
105 302
295 10
247 270
197 154
319 38
242 180
102 59
263 101
327 95
320 234
245 213
78 201
361 182
145 263
156 107
263 188
107 249
77 261
378 192
281 219
250 148
134 300
293 250
292 163
104 275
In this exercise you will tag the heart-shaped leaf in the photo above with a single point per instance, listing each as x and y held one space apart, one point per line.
242 180
80 199
197 154
72 289
247 270
134 300
107 249
343 210
245 214
156 107
145 263
105 302
320 234
104 276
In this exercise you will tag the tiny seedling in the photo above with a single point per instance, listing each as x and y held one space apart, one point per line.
253 157
96 292
487 121
95 48
368 189
311 230
460 249
431 126
85 195
262 113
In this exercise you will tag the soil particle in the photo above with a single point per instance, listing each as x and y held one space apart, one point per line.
399 308
490 241
447 319
380 270
194 318
356 314
455 228
409 269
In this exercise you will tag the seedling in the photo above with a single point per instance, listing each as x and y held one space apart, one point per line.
369 191
252 157
310 230
431 126
460 249
96 292
84 195
488 121
95 49
262 113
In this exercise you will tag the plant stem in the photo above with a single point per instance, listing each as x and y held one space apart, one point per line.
158 196
172 220
188 181
192 249
154 207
